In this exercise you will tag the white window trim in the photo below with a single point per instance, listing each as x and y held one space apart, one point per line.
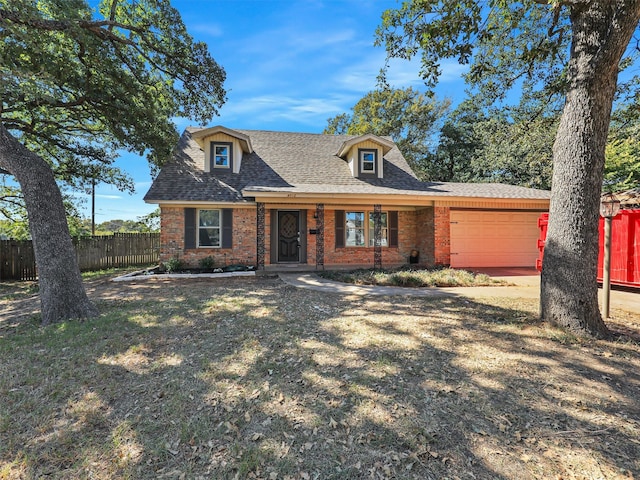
219 228
367 232
229 147
361 154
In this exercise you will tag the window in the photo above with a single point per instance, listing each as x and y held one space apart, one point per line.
355 229
359 234
209 228
368 162
221 155
384 230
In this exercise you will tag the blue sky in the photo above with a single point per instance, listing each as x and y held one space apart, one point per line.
290 66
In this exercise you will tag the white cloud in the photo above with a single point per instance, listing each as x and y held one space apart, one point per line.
108 197
206 29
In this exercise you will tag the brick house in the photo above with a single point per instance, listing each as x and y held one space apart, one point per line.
278 199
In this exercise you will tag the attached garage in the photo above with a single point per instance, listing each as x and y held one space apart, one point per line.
493 238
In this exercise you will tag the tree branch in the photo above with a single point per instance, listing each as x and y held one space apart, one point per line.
95 27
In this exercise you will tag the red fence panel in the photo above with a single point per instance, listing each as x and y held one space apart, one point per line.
625 247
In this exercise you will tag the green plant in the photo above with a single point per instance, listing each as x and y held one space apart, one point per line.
207 262
174 264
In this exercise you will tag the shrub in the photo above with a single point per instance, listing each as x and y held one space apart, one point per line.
173 265
207 262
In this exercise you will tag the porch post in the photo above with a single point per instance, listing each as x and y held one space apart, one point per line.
260 235
319 235
377 236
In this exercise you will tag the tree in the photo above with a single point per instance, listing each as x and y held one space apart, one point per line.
495 145
567 47
517 152
457 145
79 84
408 116
151 220
622 154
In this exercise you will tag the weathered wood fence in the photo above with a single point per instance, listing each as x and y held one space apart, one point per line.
17 260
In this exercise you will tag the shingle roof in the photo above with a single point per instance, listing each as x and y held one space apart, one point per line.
302 163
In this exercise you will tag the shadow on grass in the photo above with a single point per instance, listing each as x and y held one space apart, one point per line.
256 379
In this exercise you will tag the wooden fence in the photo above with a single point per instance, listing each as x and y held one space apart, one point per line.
17 260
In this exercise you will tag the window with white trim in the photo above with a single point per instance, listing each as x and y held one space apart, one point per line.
361 234
209 228
221 154
368 161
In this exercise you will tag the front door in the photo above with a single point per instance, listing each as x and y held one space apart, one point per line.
288 236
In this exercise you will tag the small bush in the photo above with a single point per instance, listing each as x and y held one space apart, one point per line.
207 262
173 265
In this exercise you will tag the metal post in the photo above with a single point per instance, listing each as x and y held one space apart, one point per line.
606 269
93 206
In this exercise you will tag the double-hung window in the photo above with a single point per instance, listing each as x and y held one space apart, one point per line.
367 162
360 229
221 154
209 228
354 229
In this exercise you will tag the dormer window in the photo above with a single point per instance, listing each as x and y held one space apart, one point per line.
222 155
368 161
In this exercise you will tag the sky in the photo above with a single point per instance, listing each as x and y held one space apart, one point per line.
291 65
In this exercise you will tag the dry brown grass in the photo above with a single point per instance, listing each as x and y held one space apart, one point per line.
251 378
406 277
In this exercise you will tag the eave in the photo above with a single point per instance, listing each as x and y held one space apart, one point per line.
349 144
244 140
397 199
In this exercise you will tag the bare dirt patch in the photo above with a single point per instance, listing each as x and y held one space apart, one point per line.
252 378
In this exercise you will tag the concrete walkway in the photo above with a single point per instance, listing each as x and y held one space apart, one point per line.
523 283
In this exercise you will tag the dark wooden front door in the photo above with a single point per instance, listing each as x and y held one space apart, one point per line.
288 236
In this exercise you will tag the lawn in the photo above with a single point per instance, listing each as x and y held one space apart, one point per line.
252 378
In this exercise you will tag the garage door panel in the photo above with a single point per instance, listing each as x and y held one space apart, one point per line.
493 239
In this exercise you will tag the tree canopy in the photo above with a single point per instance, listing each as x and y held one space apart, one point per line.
78 85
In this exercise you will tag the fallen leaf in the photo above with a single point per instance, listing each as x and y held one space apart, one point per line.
333 423
255 394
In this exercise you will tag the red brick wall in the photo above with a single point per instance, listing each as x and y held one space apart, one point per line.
364 256
311 239
244 239
415 231
425 236
171 232
442 238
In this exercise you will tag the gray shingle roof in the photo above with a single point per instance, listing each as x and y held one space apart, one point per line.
302 163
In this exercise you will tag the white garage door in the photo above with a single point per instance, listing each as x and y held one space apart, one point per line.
494 239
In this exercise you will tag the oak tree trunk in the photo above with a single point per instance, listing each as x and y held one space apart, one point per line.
569 290
62 294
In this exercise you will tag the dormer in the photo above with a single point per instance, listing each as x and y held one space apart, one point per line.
365 155
223 148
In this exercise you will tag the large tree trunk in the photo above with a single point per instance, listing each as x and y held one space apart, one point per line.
569 290
62 295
